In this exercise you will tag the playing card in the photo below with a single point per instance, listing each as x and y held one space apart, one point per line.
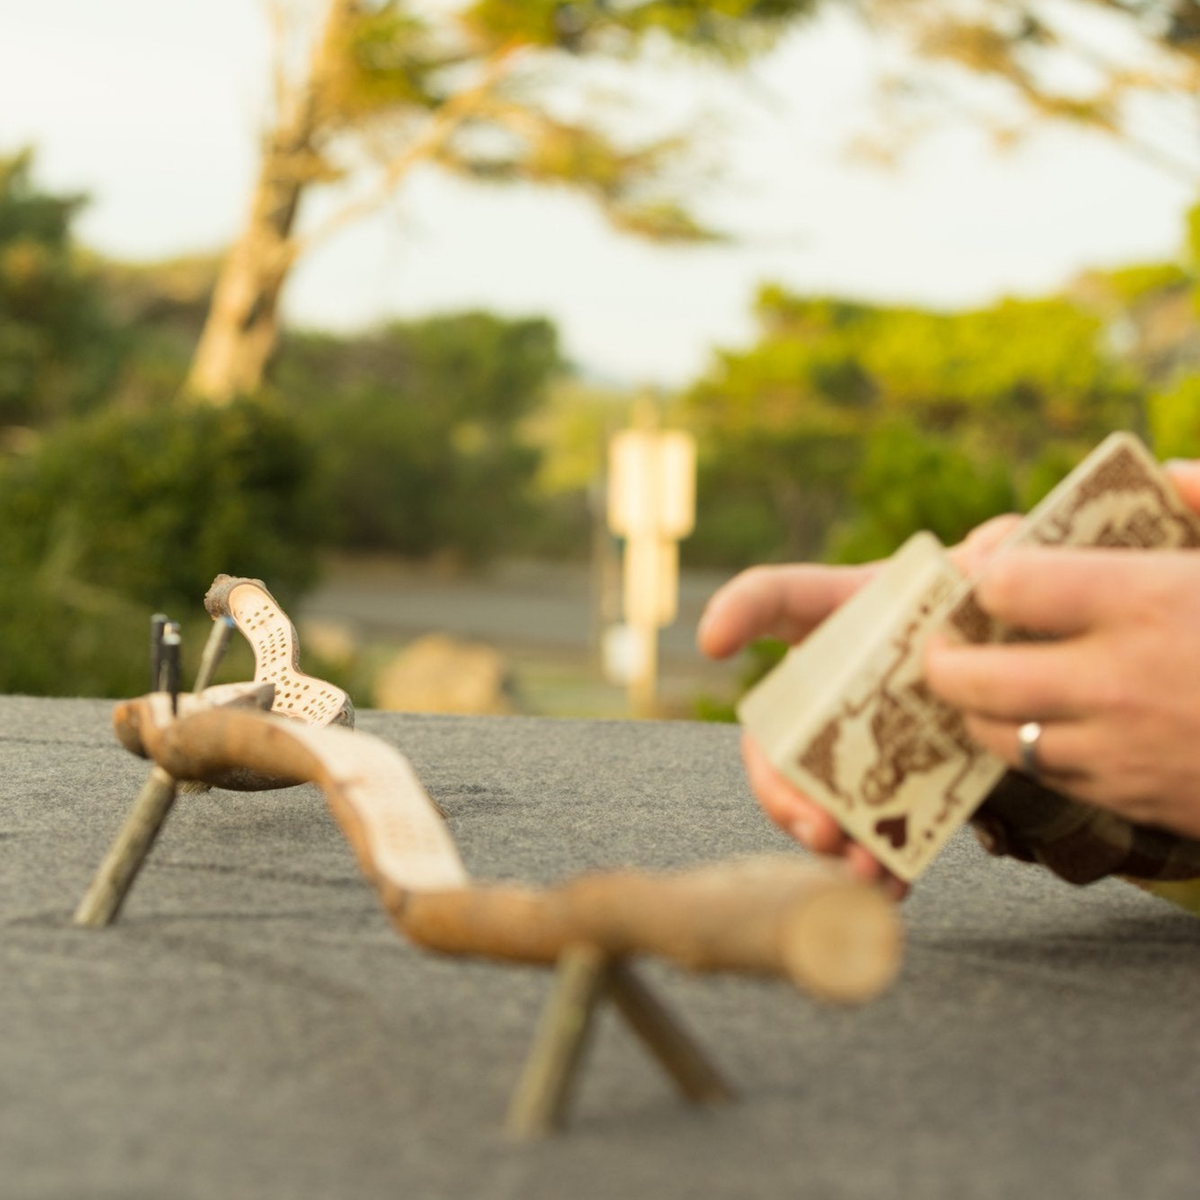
1118 498
847 716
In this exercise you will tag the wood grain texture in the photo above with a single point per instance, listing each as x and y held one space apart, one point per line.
784 916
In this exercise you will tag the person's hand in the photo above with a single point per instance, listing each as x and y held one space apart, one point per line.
788 602
1117 694
804 820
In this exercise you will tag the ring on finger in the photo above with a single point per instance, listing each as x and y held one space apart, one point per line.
1029 736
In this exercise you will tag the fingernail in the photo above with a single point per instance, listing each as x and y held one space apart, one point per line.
802 830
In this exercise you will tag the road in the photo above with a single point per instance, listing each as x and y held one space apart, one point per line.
522 605
521 608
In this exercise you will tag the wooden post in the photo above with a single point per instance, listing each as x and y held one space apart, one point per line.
643 687
651 504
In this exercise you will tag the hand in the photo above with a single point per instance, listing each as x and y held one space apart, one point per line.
801 818
1117 694
788 602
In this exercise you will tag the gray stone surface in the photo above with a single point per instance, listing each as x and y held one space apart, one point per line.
254 1028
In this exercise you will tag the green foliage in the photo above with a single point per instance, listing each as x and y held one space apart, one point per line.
60 351
731 28
1133 283
737 523
389 60
1027 56
57 647
851 425
780 429
1175 419
119 514
423 450
1027 368
1192 252
910 480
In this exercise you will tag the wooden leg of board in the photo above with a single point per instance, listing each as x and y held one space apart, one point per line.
677 1051
583 978
539 1104
102 901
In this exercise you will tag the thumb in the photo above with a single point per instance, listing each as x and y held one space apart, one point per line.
1184 473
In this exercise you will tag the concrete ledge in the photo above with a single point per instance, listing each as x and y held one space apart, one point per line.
253 1028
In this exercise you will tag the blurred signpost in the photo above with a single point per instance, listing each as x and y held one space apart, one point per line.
652 505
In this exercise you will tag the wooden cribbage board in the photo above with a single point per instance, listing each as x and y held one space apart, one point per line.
847 717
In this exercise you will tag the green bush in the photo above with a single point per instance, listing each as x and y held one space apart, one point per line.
421 431
60 348
911 481
1175 419
118 515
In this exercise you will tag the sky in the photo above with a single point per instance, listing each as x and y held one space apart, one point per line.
153 109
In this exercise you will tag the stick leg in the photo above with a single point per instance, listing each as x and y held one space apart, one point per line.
677 1051
214 651
107 891
539 1104
102 901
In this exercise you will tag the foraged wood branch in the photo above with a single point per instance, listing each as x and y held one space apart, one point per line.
783 916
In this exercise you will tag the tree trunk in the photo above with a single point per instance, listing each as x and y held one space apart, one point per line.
241 330
242 326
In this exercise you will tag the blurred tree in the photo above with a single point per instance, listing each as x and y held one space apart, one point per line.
911 480
1175 419
1152 315
1085 62
60 350
120 513
148 506
781 429
424 451
571 432
476 89
866 423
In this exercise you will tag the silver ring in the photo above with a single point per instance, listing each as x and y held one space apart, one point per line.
1028 737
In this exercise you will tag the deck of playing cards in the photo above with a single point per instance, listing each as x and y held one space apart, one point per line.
847 716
